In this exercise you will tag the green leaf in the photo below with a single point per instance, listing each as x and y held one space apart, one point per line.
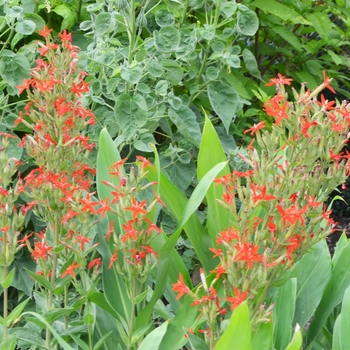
34 17
224 100
196 342
287 35
68 13
321 22
8 279
210 154
54 314
14 68
131 114
132 74
155 69
104 23
341 335
247 21
280 10
263 337
59 339
40 279
25 27
9 343
251 64
167 39
186 123
297 340
238 330
153 340
173 72
310 286
16 312
164 17
283 313
334 292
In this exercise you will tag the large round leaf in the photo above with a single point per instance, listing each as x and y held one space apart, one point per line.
25 27
104 22
247 21
164 17
224 100
131 114
167 39
132 74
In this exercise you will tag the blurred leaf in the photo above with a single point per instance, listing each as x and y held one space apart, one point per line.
341 334
153 340
297 340
310 286
321 22
167 39
238 330
263 337
247 21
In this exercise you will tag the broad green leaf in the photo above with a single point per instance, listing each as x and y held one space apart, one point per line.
132 74
263 337
251 64
9 343
54 314
336 58
175 202
186 123
155 69
167 39
321 22
187 43
247 21
34 17
131 114
166 253
196 342
153 340
104 23
165 17
14 68
287 35
173 72
283 313
210 154
186 317
224 100
280 10
297 340
341 335
25 27
68 13
16 312
310 286
8 279
59 339
238 331
40 279
306 77
334 292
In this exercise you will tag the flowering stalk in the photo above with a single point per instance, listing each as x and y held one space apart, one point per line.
277 205
133 256
60 184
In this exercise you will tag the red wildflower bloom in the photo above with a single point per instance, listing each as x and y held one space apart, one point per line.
145 161
71 214
262 196
149 250
281 80
256 127
227 236
306 125
110 231
237 299
137 255
113 258
96 262
130 231
65 36
327 82
82 240
217 252
180 287
70 270
247 252
293 244
225 180
80 88
45 33
40 250
104 207
325 105
292 214
26 85
219 270
137 208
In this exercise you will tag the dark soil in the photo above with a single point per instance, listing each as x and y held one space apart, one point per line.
343 224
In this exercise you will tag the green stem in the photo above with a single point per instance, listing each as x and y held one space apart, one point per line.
53 276
132 314
5 314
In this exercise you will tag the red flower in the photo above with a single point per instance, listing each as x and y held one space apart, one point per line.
80 88
137 208
69 215
113 258
237 299
256 127
262 196
247 252
65 36
82 240
227 236
281 80
96 262
137 255
180 287
104 207
327 82
219 270
217 252
45 33
70 270
40 250
145 161
292 214
130 231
